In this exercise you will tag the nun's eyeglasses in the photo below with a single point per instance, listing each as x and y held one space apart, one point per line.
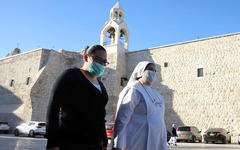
99 60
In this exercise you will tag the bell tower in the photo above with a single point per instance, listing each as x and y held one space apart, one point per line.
115 30
115 39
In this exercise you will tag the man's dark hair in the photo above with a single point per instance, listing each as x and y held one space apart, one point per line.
92 49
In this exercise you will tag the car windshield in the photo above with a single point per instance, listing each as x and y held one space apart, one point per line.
215 130
3 123
42 124
183 129
109 127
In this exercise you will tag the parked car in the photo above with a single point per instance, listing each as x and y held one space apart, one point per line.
217 134
109 129
31 128
189 133
4 127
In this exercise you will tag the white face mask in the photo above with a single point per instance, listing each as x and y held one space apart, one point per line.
150 76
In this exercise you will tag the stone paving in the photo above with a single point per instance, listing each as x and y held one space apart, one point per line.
10 142
203 146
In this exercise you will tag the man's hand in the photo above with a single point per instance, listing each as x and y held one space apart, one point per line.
54 148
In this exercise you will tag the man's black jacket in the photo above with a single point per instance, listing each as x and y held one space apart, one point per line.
82 114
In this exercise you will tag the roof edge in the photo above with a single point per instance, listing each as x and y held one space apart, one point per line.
8 57
186 42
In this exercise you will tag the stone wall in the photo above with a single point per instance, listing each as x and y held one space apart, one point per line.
55 64
115 71
21 102
15 104
210 101
109 80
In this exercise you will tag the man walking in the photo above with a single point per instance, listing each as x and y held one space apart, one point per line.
173 139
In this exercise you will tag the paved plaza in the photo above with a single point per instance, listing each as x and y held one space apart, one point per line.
10 142
203 146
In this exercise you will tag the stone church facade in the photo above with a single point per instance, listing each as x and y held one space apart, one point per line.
199 79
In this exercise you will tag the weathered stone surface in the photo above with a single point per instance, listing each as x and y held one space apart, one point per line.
205 102
22 101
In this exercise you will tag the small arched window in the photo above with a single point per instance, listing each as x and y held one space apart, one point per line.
11 83
115 15
28 80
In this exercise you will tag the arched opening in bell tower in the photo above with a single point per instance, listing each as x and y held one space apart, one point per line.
117 15
123 38
110 36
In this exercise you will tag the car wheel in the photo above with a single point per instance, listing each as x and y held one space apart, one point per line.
31 133
193 139
6 132
16 132
224 141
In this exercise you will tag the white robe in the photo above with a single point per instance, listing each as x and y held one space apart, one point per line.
140 122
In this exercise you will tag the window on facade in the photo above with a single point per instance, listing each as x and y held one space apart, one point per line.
11 83
165 64
200 72
28 80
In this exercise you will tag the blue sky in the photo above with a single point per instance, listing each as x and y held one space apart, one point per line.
73 24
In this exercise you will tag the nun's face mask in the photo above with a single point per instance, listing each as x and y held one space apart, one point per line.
150 76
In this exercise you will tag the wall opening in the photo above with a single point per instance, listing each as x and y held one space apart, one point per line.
28 80
166 64
200 72
123 38
110 36
12 83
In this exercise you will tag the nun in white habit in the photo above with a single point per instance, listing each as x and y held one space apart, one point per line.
139 123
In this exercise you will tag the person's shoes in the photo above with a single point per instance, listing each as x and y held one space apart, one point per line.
175 144
168 143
